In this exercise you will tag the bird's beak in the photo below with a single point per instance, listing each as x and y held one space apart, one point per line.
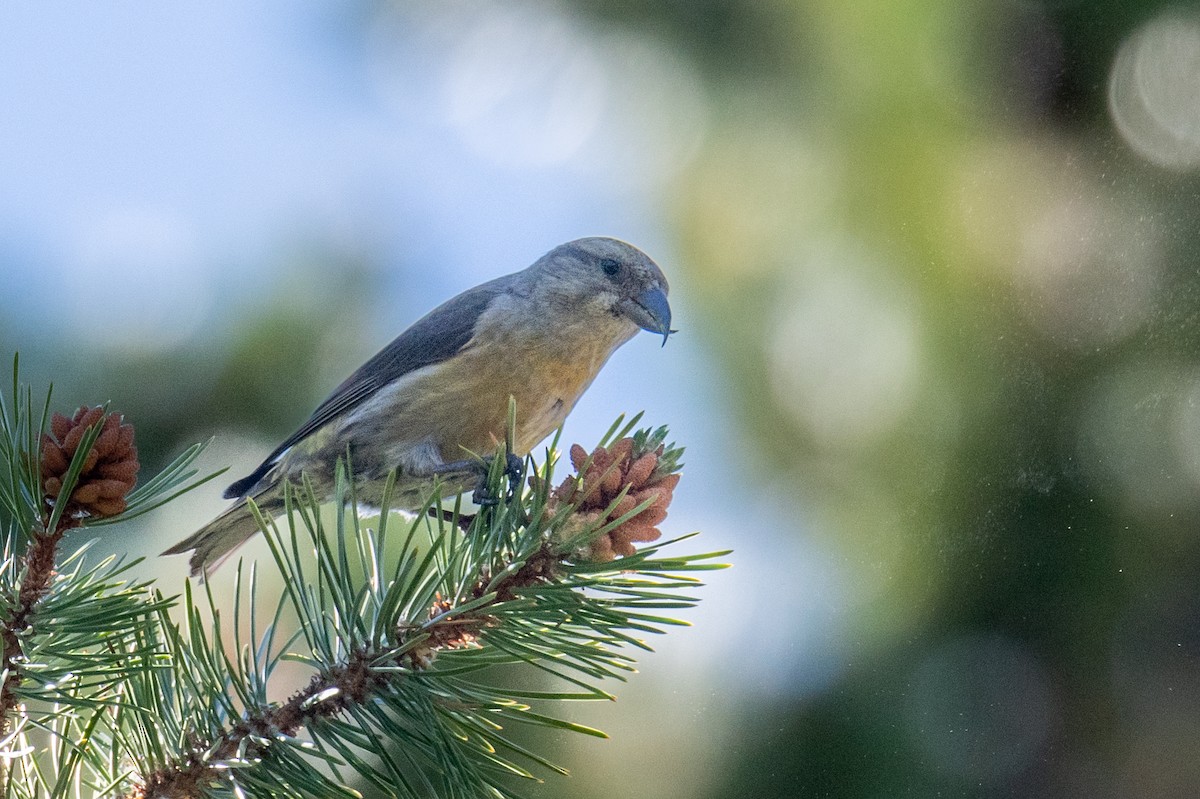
650 311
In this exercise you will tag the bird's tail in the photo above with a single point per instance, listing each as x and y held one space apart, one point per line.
217 540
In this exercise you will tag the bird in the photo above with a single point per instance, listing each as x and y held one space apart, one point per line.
438 395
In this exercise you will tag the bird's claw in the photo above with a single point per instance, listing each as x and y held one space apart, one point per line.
514 469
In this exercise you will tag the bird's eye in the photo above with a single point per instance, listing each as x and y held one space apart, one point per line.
610 267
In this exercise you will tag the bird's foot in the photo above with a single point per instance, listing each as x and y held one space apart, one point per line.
514 470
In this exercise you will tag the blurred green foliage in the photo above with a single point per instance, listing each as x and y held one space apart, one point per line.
919 147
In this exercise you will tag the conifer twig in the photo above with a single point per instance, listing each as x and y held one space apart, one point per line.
39 571
399 632
74 634
354 681
86 466
392 636
75 466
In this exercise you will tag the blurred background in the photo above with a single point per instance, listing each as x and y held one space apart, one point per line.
934 267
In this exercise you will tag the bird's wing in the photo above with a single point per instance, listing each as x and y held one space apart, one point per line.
434 338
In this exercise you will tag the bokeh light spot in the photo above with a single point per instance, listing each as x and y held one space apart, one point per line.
525 89
1092 271
844 351
1154 91
529 87
1136 436
654 119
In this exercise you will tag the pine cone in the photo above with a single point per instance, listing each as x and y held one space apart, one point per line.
613 470
109 472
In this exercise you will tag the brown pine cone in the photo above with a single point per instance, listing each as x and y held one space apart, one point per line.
612 470
109 473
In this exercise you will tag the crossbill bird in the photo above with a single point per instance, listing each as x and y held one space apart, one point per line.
428 403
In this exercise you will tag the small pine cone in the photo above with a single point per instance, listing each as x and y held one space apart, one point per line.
614 470
109 472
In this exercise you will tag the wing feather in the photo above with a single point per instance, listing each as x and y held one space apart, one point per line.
435 337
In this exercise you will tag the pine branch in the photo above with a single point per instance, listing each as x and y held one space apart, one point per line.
89 455
39 570
68 629
392 647
104 693
356 681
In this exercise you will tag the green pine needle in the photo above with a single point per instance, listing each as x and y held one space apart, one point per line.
408 630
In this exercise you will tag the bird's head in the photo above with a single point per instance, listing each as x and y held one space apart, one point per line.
608 280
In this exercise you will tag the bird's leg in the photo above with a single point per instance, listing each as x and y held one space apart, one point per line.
514 469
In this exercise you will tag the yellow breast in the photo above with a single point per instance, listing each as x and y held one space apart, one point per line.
462 404
544 387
